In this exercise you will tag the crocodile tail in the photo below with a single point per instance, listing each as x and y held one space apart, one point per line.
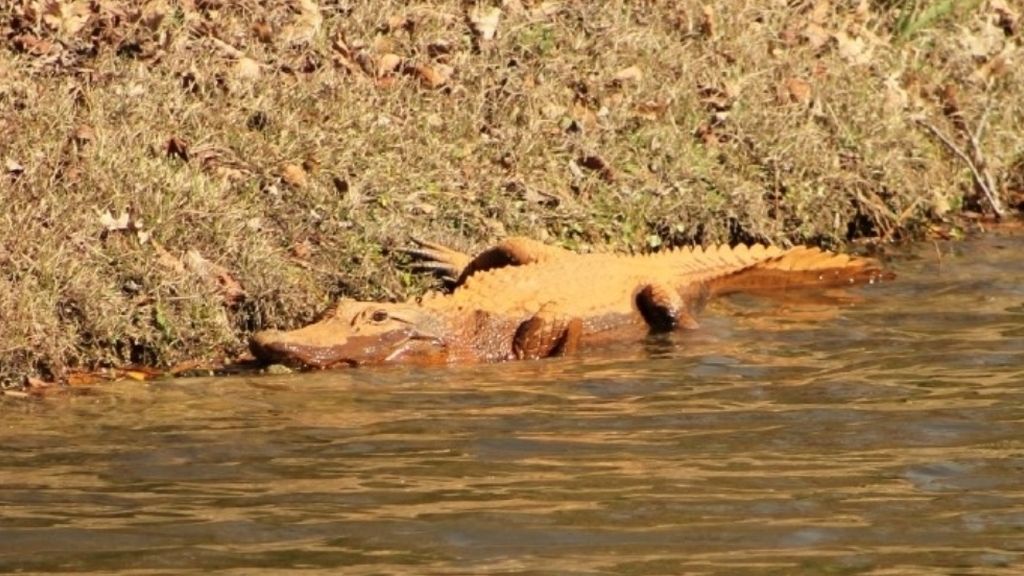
800 267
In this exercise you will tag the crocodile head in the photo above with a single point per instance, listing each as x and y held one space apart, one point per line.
355 333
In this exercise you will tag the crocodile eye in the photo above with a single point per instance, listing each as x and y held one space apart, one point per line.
379 316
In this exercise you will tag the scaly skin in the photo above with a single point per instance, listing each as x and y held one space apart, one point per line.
523 299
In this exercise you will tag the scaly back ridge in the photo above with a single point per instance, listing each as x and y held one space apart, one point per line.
771 268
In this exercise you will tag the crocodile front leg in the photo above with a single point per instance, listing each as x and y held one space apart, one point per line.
439 259
548 333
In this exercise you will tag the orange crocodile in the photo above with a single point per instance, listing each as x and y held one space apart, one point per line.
523 299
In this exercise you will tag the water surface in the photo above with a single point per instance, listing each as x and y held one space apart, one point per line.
878 431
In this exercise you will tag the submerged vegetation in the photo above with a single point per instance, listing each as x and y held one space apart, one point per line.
178 174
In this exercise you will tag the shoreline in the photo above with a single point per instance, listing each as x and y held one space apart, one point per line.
179 177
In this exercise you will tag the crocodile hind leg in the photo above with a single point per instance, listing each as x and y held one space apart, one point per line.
455 267
665 309
548 333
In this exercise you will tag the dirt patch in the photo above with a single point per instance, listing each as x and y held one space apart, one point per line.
179 174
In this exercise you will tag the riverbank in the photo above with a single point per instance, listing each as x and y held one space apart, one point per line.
179 175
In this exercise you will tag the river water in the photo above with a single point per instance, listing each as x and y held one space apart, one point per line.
879 431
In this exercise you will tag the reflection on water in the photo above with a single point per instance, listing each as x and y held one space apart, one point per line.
875 431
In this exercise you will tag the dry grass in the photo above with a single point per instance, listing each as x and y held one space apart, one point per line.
312 139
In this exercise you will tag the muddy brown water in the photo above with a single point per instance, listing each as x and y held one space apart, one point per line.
873 431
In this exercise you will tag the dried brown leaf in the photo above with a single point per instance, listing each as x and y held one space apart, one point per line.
484 22
652 109
306 24
388 63
84 134
630 74
820 12
167 260
989 39
708 26
124 222
177 147
13 167
153 13
599 165
545 10
795 90
263 31
294 176
33 45
853 50
247 69
816 36
1008 18
66 18
434 76
216 276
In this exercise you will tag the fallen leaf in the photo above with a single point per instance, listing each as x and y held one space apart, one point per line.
853 50
630 74
399 22
706 133
84 378
996 66
302 250
166 259
153 13
599 165
545 10
388 63
484 22
177 147
896 98
293 175
216 276
718 98
263 31
1008 18
34 45
66 18
84 134
123 222
13 168
434 76
816 36
795 90
439 50
820 12
652 109
307 23
553 110
583 116
862 12
247 69
988 40
708 26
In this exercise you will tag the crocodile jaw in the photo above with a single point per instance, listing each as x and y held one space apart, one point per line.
348 336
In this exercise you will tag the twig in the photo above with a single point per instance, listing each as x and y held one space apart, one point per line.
981 177
981 123
938 254
979 157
